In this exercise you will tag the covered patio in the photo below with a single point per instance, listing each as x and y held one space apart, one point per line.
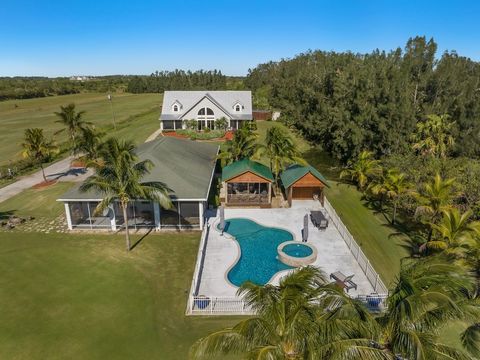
247 183
303 183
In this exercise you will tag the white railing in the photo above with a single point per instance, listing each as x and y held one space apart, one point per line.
219 305
367 268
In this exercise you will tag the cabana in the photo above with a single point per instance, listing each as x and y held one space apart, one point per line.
247 183
303 182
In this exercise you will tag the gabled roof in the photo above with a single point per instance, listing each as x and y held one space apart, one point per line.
246 165
222 99
295 172
185 166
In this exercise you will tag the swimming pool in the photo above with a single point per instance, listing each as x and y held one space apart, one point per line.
258 260
297 250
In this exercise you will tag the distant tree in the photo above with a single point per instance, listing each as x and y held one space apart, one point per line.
363 168
221 123
119 177
280 150
37 148
433 136
243 145
89 143
73 122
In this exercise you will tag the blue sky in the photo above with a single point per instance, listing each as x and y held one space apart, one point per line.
95 37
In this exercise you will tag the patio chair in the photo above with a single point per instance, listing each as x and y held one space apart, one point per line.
344 281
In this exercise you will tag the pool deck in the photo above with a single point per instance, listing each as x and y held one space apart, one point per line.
223 251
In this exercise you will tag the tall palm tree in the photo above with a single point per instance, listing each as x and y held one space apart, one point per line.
303 317
118 176
280 150
243 145
37 148
393 186
434 136
434 197
363 168
89 143
456 233
73 122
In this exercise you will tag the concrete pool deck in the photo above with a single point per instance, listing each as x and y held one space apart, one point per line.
222 252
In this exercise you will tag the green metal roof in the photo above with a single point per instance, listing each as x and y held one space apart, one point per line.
242 166
295 172
186 167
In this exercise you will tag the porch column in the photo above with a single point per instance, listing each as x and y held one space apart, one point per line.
156 215
161 125
269 193
113 220
200 214
67 216
225 186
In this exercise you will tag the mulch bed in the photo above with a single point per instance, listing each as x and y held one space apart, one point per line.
228 136
44 184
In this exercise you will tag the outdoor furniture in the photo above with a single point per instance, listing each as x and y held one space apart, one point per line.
318 219
343 281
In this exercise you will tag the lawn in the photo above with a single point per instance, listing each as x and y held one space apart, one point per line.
84 297
18 115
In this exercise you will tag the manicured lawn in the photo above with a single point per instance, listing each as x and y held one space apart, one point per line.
83 297
37 202
371 231
18 115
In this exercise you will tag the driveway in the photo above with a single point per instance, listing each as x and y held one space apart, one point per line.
57 171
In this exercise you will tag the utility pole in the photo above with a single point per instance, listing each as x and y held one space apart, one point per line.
110 98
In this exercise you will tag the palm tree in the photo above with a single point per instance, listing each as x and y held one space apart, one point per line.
456 233
395 185
434 197
303 317
89 143
37 148
433 136
118 176
362 169
243 145
280 150
426 296
73 122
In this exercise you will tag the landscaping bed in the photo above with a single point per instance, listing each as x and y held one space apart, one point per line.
217 135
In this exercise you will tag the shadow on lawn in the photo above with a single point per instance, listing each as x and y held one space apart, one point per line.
141 239
6 214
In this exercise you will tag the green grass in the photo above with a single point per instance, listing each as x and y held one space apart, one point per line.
18 115
82 297
37 202
372 231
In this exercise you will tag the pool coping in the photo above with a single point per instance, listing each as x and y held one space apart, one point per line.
311 258
239 252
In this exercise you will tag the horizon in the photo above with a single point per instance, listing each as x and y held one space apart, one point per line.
101 39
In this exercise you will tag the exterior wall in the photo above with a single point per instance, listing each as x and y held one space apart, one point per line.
307 186
218 113
308 180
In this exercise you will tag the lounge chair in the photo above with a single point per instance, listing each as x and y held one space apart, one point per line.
343 281
319 220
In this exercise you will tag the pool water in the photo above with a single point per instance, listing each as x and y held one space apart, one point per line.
258 246
297 250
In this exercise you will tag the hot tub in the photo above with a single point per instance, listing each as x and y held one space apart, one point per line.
296 254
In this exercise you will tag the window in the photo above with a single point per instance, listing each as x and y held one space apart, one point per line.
201 112
209 111
237 107
168 125
204 111
175 107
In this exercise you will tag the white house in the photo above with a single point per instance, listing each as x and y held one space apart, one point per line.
205 107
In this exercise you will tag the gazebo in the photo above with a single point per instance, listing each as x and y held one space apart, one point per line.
247 183
303 182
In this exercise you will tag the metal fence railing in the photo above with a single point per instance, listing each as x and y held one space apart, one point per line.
362 260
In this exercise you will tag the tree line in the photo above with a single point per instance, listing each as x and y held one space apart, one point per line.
35 87
352 102
160 81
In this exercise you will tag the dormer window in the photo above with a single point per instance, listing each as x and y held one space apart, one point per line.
238 108
175 108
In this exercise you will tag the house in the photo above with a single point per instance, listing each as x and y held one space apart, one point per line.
205 107
303 182
247 183
186 167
